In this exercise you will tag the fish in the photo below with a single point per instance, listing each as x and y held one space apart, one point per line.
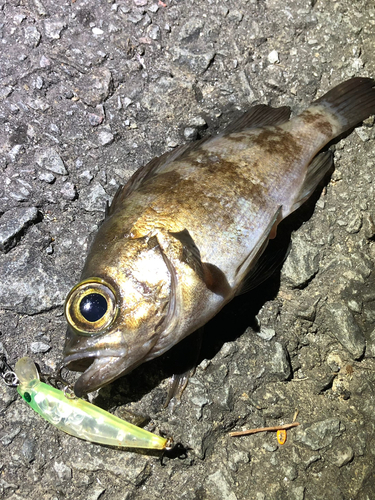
80 418
188 231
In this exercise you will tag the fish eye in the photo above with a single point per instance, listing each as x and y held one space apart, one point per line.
91 306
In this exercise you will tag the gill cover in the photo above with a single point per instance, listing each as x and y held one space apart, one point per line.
91 306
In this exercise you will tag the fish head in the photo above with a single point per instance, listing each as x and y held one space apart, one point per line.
116 311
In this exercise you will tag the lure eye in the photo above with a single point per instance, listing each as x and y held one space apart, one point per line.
91 306
27 397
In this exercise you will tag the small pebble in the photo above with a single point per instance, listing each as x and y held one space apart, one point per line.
105 137
8 438
87 176
95 120
153 8
51 160
135 18
271 447
344 456
39 82
266 333
47 177
69 191
63 471
190 133
273 57
94 198
154 33
53 29
12 223
343 326
39 347
32 36
18 18
197 121
28 449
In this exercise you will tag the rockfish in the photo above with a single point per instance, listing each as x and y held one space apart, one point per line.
185 234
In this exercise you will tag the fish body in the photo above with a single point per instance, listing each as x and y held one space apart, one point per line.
78 417
186 233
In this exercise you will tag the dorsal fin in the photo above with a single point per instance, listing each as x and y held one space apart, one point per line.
258 116
152 168
142 174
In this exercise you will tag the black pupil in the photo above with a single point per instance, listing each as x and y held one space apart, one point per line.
93 307
27 397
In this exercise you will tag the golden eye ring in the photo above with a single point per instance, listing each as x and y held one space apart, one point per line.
91 306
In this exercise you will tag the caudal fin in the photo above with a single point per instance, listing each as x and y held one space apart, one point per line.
352 101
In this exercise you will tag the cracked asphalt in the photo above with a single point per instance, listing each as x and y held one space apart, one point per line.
89 92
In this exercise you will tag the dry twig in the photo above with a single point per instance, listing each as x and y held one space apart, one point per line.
264 429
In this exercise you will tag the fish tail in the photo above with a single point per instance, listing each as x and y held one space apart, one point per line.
339 110
350 102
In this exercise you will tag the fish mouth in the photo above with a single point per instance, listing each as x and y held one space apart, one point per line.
98 370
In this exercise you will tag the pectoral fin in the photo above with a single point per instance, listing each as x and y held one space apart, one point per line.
190 252
211 275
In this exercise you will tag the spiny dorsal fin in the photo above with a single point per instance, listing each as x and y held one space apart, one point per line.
257 116
152 168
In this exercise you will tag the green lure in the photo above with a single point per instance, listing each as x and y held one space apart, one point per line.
80 418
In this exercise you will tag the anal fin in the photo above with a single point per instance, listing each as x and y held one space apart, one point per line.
316 171
264 268
249 263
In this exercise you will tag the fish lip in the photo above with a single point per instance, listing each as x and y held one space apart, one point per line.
99 368
105 353
99 373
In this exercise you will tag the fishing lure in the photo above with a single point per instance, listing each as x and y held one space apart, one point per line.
80 418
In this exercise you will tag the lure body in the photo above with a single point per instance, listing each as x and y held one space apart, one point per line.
78 417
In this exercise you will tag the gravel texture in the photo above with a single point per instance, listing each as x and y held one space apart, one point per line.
89 92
